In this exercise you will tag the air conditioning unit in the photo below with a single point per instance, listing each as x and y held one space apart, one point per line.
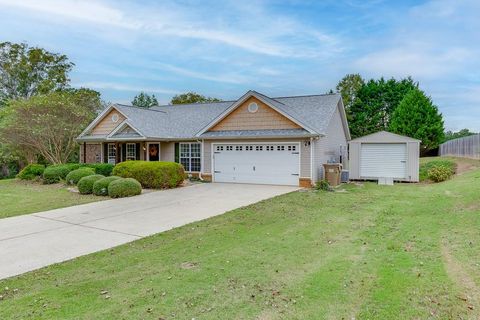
344 176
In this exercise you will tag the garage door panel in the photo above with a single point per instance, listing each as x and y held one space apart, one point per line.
383 160
259 163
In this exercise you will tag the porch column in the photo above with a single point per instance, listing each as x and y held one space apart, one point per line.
84 152
117 152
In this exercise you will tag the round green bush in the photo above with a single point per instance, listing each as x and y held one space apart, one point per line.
54 174
439 173
31 171
74 176
155 175
126 187
100 187
85 185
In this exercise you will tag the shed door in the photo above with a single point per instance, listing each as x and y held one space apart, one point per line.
387 160
257 163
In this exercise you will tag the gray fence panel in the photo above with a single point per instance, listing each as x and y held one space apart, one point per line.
466 147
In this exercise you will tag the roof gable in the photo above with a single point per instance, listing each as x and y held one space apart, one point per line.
125 131
264 118
273 104
384 136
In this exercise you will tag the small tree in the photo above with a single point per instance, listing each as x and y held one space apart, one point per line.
48 124
192 97
450 135
417 117
348 87
144 100
26 71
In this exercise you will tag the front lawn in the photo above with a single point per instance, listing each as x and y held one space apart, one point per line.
21 197
371 252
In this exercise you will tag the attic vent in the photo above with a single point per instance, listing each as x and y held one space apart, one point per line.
252 107
115 118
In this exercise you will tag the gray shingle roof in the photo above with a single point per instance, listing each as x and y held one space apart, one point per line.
187 120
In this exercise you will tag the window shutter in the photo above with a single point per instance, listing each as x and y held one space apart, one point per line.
105 152
123 147
137 151
177 152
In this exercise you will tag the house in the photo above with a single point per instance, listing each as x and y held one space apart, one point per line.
255 139
384 155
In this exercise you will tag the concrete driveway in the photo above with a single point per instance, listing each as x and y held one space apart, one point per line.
33 241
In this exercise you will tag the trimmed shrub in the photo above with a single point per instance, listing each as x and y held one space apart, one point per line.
31 171
55 173
440 173
100 168
100 187
155 175
124 188
75 175
85 185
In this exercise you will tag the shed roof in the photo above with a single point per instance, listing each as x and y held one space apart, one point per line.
384 137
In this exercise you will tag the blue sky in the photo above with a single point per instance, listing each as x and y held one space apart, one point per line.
279 48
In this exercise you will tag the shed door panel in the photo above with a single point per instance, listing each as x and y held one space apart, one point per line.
383 160
257 163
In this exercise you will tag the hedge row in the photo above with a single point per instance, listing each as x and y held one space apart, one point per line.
153 175
56 173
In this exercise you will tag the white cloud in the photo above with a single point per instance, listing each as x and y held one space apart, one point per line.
269 35
123 87
226 78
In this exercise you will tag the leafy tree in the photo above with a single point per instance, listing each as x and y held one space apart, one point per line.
374 104
417 117
348 87
450 135
48 124
144 100
26 71
192 97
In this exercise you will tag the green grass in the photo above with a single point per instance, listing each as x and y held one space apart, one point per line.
372 252
21 197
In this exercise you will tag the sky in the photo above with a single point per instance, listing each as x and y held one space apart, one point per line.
279 48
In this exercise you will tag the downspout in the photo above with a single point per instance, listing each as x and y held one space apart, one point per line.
201 162
311 160
84 152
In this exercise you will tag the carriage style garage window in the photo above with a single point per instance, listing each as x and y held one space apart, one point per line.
190 156
131 151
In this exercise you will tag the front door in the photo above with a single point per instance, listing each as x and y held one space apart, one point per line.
154 152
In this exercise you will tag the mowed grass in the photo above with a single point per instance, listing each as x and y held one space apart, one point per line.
410 251
21 197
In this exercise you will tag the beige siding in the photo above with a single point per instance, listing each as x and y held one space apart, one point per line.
264 118
328 148
167 151
106 125
304 153
413 161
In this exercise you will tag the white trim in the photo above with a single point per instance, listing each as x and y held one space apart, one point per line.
242 99
147 158
99 118
122 125
190 156
343 116
212 152
311 160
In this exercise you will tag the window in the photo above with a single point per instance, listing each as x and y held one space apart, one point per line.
131 153
238 148
229 148
112 153
280 148
292 148
219 148
259 148
190 156
248 148
270 148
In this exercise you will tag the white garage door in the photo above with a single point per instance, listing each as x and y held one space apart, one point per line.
379 160
256 163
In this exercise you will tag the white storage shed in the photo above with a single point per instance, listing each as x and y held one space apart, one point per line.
384 155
